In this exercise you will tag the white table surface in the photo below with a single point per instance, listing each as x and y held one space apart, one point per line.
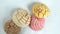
52 22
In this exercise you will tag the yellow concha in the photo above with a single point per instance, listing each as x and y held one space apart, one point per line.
40 10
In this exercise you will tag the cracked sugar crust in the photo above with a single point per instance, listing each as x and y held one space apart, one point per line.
11 28
37 24
21 18
40 10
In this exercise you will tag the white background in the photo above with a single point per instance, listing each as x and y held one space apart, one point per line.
52 26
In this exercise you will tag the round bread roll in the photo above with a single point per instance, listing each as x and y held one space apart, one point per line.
11 28
37 24
21 18
40 10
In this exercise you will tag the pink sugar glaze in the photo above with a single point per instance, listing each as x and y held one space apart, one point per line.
37 24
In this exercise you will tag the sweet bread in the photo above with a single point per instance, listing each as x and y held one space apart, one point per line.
40 10
21 18
37 24
11 28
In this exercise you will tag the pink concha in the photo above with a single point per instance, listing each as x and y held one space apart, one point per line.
37 23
